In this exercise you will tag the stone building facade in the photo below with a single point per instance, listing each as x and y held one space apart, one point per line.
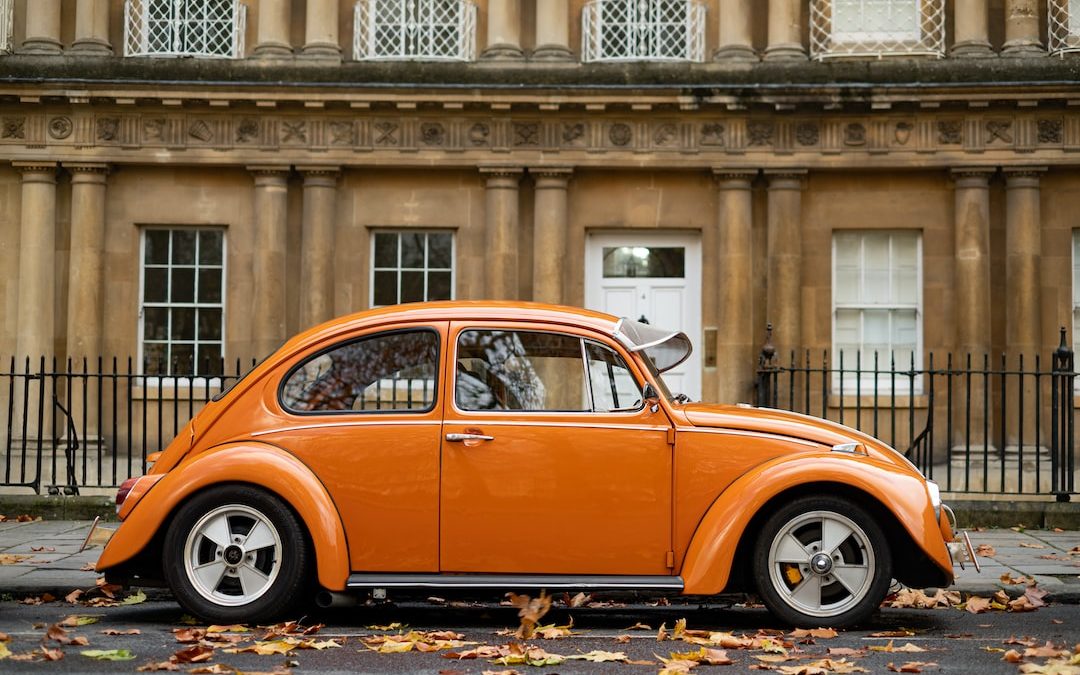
203 178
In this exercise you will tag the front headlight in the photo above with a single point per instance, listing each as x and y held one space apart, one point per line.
935 497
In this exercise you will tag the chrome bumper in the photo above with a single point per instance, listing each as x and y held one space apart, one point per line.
98 535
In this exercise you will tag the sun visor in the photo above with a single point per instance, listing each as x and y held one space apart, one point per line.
666 348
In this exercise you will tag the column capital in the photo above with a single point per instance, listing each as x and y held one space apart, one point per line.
269 169
552 175
496 173
785 179
1021 176
88 172
36 170
972 176
734 179
322 176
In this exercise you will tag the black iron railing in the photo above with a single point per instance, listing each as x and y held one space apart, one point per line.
974 424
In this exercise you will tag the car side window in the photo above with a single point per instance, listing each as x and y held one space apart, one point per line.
520 370
388 372
613 386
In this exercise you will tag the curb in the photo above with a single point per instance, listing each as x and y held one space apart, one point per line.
1031 515
59 508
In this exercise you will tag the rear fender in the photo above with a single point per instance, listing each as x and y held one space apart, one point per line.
274 470
707 566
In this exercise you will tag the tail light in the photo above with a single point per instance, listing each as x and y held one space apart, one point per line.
124 491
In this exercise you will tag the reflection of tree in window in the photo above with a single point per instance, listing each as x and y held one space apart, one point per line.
501 370
386 372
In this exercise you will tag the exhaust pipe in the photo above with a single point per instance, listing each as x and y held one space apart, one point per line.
328 599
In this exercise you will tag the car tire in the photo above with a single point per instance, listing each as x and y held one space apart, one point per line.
237 554
806 585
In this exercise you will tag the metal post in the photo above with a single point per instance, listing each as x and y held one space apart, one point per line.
767 372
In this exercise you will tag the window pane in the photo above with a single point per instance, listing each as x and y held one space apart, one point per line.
209 324
210 244
503 370
412 286
210 286
412 250
155 323
389 372
183 324
157 247
156 285
210 363
182 359
183 284
385 290
438 286
386 249
155 358
640 261
183 251
613 386
440 249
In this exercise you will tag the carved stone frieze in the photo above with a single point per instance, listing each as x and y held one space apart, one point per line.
13 127
1049 131
760 133
950 132
620 134
712 134
665 135
526 134
573 133
855 134
60 127
902 132
807 133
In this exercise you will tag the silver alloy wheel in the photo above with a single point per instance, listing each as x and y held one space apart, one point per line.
232 555
821 564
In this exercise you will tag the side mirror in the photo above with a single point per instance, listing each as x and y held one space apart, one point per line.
651 397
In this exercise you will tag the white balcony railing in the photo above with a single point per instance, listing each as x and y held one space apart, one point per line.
643 30
7 21
1063 26
201 28
878 28
422 30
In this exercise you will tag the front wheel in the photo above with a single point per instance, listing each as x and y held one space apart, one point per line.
235 554
822 561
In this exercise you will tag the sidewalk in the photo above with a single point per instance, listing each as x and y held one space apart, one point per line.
58 568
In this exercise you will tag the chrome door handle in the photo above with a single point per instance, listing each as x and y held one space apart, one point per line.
458 438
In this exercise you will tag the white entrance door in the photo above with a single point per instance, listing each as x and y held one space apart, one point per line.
653 276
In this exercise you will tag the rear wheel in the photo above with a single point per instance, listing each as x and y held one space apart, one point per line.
822 561
236 554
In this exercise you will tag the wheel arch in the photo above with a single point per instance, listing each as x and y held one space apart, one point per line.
280 473
718 557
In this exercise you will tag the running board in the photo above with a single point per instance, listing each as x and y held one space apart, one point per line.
512 581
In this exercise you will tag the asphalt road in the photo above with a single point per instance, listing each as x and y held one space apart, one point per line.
956 640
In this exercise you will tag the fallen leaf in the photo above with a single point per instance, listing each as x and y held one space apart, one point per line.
188 635
1010 579
1047 651
194 654
109 654
1056 621
976 605
76 620
12 558
985 550
88 567
893 633
216 669
911 667
51 654
134 599
530 611
1035 595
154 667
4 651
639 626
271 647
890 648
73 597
1025 544
234 628
622 639
389 626
846 651
1012 656
117 631
819 633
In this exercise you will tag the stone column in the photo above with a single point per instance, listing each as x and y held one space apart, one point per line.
1022 29
92 28
35 332
42 28
784 236
972 299
272 41
549 233
736 38
972 282
268 303
321 31
503 31
552 31
785 31
734 330
86 273
971 35
1023 297
501 231
86 290
317 245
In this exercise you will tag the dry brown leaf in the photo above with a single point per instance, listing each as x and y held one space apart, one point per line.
189 635
117 631
1046 651
890 648
194 654
73 597
846 651
1035 595
893 633
639 626
985 550
155 667
51 654
977 605
1025 544
1010 579
911 667
1012 656
218 669
1023 642
819 633
88 567
530 611
622 639
662 633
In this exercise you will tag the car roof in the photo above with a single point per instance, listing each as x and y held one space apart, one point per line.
457 310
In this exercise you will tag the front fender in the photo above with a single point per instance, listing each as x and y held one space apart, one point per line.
707 566
277 471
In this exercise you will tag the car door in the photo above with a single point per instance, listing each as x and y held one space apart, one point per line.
364 412
540 474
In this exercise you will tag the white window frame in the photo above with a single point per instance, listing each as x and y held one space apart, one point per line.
415 28
176 381
137 32
846 37
399 269
594 27
1063 26
866 384
7 25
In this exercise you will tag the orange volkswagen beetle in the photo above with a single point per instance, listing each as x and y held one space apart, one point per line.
514 446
